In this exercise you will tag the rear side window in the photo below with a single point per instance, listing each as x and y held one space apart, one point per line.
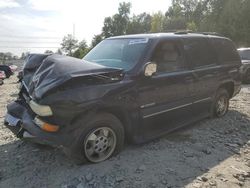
225 50
199 52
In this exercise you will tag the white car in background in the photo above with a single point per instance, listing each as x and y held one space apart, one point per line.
245 59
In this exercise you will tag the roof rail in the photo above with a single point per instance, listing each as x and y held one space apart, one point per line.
203 33
183 32
209 33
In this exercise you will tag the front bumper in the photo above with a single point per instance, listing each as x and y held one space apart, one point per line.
20 120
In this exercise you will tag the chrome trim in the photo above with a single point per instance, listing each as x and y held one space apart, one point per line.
181 106
233 71
148 105
201 100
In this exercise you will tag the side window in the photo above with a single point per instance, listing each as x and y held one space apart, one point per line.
168 57
199 52
226 50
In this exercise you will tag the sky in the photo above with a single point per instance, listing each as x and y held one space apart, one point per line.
37 25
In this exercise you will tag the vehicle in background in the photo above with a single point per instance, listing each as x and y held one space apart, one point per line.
13 68
133 88
2 75
245 59
7 70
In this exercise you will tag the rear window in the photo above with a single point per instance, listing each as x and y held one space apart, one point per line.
226 50
199 52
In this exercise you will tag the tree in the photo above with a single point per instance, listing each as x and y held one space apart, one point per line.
139 24
48 52
24 55
191 26
82 50
69 44
117 24
157 22
59 51
96 40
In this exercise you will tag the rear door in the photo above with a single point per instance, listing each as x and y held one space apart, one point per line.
203 61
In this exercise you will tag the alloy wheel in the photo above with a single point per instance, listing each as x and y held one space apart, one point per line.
100 144
221 106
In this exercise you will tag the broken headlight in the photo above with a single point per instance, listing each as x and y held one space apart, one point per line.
41 110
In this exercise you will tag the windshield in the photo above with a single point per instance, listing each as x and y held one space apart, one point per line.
118 53
244 54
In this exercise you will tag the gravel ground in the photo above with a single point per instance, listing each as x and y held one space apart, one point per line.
210 153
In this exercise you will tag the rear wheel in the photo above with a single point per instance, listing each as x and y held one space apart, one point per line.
221 103
101 138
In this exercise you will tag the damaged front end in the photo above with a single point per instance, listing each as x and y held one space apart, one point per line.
54 90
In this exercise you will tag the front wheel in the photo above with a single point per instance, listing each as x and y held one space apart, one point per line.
221 103
101 137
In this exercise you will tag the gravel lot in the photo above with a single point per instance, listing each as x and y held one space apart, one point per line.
210 153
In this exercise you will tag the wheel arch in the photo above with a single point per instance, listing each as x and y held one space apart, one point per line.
229 86
123 116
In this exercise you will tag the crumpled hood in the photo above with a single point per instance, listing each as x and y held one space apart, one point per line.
42 72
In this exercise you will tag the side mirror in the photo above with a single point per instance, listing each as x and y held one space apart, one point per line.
150 69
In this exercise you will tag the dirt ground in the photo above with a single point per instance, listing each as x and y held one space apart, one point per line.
210 153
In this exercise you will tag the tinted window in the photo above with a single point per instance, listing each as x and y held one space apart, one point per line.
226 50
168 57
244 54
199 52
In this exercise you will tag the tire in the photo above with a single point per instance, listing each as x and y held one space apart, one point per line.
221 103
101 138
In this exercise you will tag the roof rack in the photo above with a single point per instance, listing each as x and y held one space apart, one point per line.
203 33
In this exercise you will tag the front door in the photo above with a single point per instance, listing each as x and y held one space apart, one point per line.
164 98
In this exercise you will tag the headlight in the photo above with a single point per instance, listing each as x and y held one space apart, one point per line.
41 110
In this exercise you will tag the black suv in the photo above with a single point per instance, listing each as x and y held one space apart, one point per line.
132 88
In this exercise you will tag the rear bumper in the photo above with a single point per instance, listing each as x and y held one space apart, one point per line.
20 121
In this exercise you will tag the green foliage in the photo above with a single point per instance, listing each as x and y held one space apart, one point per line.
230 18
82 50
96 40
69 44
139 24
118 23
191 26
48 52
157 22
